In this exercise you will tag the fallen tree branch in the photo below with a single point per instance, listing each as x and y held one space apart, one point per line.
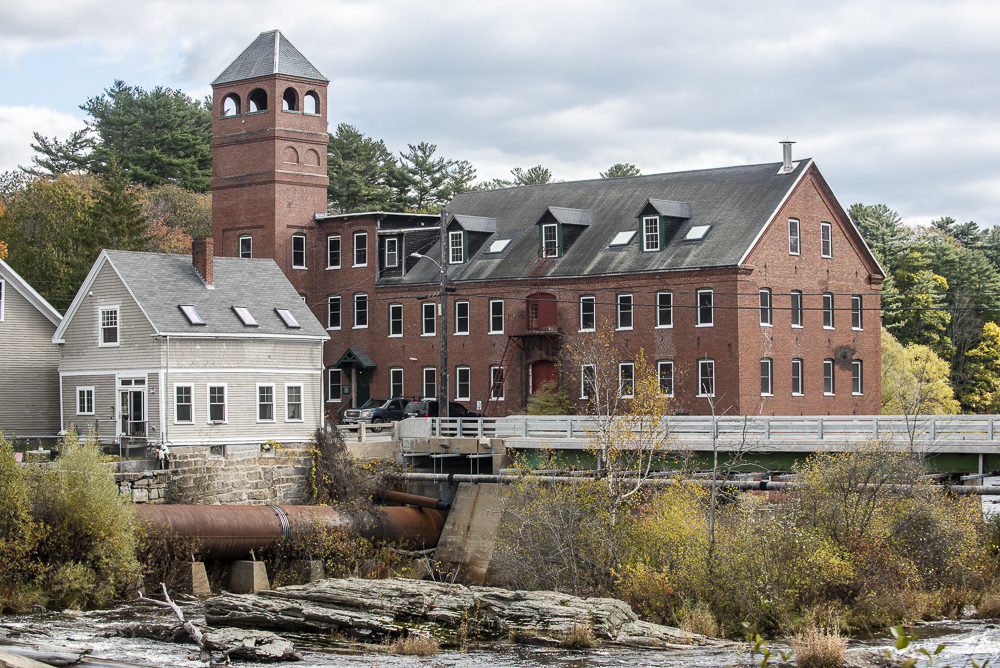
191 629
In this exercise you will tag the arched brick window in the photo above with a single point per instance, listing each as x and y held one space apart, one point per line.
231 105
258 100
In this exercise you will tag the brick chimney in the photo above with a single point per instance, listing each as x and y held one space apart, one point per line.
201 257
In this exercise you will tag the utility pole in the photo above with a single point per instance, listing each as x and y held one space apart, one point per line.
443 322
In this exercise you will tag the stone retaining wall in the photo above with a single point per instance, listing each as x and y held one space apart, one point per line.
234 474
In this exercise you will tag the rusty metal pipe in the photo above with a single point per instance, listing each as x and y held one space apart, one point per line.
412 499
230 532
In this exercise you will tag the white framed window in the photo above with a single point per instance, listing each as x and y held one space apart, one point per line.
665 372
391 252
333 251
265 402
456 247
588 313
334 378
826 239
766 378
217 403
333 312
626 380
793 236
428 319
651 233
857 318
183 403
624 312
428 377
360 249
798 384
3 294
108 326
360 311
463 383
828 387
461 318
293 403
246 246
705 308
706 378
395 320
828 311
550 240
796 308
298 251
395 382
496 316
497 378
588 381
766 312
85 400
664 310
857 378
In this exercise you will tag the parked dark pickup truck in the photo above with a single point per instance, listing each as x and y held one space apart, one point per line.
377 411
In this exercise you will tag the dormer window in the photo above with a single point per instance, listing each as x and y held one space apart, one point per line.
651 233
245 317
456 247
391 252
550 240
191 313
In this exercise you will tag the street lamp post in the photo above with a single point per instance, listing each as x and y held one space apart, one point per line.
442 319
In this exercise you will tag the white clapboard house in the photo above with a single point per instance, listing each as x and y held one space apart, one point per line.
219 351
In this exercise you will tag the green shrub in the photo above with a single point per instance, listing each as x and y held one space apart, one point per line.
19 533
86 522
549 400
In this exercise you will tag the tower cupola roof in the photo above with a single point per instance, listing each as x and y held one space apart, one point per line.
271 53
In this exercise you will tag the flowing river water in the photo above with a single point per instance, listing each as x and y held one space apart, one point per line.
99 630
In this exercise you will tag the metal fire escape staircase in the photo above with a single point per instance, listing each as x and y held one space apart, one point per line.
515 334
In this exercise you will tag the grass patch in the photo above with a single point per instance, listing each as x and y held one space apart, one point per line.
414 645
581 636
819 648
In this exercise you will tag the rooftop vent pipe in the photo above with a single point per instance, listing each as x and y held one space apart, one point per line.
786 156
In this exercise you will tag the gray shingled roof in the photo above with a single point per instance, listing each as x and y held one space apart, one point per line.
258 60
162 282
476 223
736 201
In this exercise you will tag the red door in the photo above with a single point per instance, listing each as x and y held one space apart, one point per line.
542 372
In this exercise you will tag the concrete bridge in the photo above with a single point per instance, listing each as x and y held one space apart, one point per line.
968 443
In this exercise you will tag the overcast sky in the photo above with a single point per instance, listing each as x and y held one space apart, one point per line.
896 101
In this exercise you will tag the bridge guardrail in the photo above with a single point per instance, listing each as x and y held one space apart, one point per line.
921 428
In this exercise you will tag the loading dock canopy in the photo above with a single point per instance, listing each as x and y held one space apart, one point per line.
355 356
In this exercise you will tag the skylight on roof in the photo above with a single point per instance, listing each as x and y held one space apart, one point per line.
191 313
243 314
697 232
622 238
288 318
498 246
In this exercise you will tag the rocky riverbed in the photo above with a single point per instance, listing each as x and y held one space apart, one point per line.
317 619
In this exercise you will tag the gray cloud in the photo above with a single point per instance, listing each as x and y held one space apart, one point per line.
894 99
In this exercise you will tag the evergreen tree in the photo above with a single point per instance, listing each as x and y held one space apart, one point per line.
425 183
883 229
55 157
116 215
621 170
533 176
159 136
359 169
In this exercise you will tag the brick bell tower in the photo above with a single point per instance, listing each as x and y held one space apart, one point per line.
269 140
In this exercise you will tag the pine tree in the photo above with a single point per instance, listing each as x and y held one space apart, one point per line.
359 168
56 157
116 216
620 170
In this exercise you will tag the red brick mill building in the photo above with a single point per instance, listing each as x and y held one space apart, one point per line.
749 283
